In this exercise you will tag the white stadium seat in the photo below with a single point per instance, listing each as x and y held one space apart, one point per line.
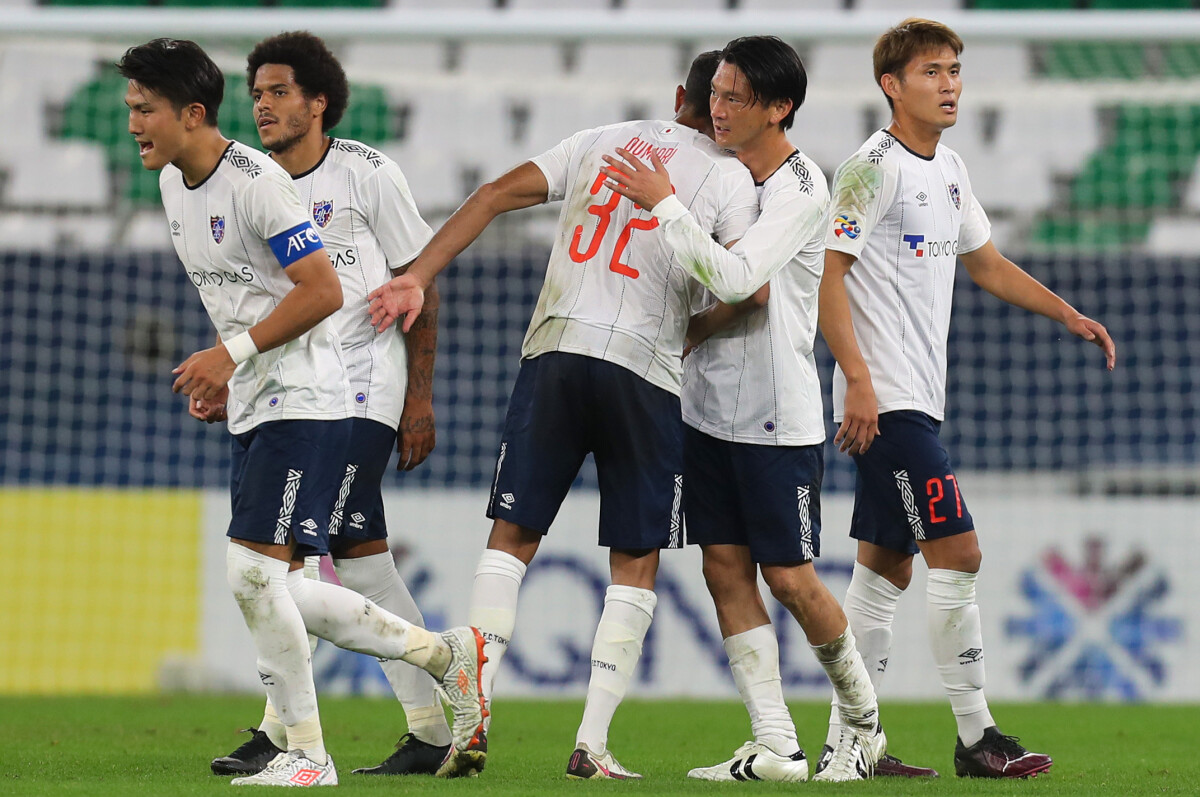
536 60
635 61
59 174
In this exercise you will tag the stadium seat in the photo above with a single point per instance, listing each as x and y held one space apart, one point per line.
60 174
890 5
1173 235
1022 5
829 130
649 62
445 4
842 67
566 5
370 59
674 5
538 60
995 63
1095 60
789 5
147 231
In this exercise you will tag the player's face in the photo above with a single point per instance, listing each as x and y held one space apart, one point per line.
283 115
155 125
737 119
930 88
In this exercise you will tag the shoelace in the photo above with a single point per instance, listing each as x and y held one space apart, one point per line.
1010 746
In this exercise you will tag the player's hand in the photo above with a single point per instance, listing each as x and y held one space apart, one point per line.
860 425
205 374
403 296
418 434
1084 327
635 180
212 411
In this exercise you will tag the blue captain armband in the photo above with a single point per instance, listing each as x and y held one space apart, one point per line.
291 245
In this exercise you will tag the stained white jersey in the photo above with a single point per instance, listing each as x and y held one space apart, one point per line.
757 382
235 232
906 218
365 214
613 289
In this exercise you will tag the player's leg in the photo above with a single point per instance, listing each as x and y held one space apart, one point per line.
639 450
358 538
956 638
272 506
541 450
712 506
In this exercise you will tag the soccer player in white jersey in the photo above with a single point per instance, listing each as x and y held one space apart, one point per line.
902 211
753 446
276 372
600 372
366 217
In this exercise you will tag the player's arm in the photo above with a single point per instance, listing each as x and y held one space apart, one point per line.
721 316
316 295
860 423
731 275
418 430
213 410
1005 280
403 296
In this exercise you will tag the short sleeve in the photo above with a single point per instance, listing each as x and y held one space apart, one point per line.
740 207
273 211
862 192
975 229
393 216
555 164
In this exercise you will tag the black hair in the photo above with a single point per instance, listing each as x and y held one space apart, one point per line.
315 68
699 81
177 70
772 68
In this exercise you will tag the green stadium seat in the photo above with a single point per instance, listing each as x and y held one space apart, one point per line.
1095 60
1139 5
331 3
212 3
1181 59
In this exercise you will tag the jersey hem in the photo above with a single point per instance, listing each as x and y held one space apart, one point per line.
336 415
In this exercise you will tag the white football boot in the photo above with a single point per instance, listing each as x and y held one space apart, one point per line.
756 761
460 688
292 768
855 756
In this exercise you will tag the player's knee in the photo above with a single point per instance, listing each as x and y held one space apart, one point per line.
724 581
793 587
248 573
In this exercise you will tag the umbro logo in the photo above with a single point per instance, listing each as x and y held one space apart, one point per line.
305 777
309 527
507 500
923 199
971 655
356 520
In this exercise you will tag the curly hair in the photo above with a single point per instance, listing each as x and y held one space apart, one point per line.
316 70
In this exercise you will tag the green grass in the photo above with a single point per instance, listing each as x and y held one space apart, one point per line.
162 745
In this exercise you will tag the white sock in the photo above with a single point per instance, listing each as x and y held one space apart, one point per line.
494 612
271 725
350 621
870 607
375 578
957 641
851 684
259 585
754 661
615 653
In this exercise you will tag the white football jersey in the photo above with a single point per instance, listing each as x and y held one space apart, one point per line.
906 218
365 214
235 232
757 382
613 288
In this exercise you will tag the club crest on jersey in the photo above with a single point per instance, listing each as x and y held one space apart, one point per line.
844 225
217 224
955 195
323 212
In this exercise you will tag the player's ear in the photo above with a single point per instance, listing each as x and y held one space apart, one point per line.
320 103
890 84
194 115
780 109
680 96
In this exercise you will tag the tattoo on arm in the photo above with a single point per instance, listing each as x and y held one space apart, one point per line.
421 342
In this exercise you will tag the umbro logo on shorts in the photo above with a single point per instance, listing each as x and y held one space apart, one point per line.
309 527
356 520
507 500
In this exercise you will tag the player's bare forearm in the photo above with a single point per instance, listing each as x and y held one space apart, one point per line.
722 316
518 188
837 326
316 294
1007 281
421 343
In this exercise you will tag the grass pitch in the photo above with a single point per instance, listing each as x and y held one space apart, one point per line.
162 745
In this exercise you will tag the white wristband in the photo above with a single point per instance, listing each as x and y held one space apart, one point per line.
241 348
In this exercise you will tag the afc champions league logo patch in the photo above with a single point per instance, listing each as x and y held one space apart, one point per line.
844 225
955 196
217 224
323 212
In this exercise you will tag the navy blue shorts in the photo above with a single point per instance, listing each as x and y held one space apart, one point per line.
564 406
765 497
905 489
284 481
358 510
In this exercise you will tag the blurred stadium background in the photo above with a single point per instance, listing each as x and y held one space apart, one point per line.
1079 124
